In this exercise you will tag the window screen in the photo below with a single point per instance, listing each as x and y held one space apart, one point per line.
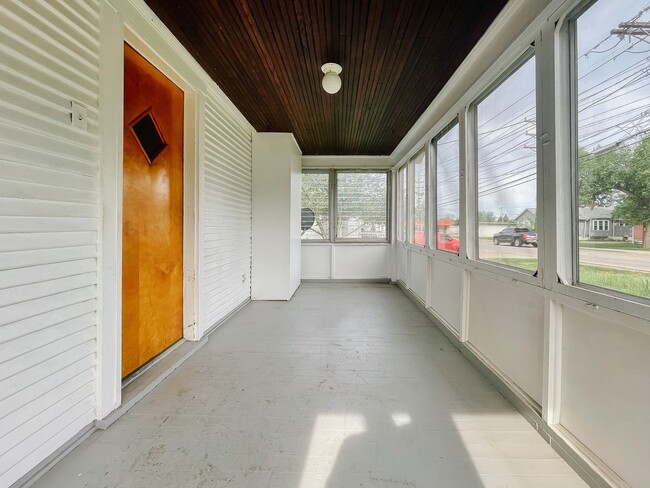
419 199
315 205
361 204
613 146
403 203
447 152
507 171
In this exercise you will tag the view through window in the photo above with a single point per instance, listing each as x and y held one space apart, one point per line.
419 199
361 204
315 206
403 203
447 152
507 171
613 117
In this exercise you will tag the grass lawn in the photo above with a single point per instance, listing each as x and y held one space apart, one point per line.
632 282
612 245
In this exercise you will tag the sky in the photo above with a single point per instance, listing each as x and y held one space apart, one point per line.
613 110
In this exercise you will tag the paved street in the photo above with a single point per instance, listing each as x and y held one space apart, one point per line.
623 258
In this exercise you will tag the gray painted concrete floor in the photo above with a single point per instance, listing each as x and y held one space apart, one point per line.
347 385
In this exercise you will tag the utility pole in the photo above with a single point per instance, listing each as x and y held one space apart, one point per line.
633 29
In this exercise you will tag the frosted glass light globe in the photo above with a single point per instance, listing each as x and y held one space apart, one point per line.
331 81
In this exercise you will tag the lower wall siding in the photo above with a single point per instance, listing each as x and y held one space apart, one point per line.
225 215
345 261
507 326
49 207
606 391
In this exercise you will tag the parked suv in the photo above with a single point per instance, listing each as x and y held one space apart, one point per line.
515 236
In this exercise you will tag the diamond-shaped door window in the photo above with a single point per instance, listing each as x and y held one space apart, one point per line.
148 135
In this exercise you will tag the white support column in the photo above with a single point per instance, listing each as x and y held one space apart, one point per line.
554 197
468 175
109 344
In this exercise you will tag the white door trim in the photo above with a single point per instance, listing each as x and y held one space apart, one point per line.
114 31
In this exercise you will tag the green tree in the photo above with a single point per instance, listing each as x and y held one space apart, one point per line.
315 195
486 216
621 179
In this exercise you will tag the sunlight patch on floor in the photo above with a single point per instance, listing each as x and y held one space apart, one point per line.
328 436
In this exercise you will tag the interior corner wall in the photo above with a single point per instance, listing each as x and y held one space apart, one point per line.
276 216
52 203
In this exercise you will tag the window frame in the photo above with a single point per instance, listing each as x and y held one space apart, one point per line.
597 223
422 152
555 178
608 297
333 210
534 278
402 211
433 181
339 240
329 203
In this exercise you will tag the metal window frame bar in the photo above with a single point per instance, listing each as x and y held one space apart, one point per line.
434 194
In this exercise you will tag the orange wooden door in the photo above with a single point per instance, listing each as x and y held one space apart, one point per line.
152 236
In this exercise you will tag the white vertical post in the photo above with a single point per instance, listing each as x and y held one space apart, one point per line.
111 91
552 364
192 155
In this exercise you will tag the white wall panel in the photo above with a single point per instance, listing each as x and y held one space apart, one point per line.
316 261
419 272
447 292
346 261
402 264
361 261
48 228
507 326
606 391
224 214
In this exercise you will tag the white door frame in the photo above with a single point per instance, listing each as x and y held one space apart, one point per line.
114 32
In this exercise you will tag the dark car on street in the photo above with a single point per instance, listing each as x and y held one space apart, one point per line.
515 236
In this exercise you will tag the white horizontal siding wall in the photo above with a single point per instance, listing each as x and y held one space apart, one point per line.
225 214
48 228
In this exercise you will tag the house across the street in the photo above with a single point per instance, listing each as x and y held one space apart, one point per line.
527 218
597 223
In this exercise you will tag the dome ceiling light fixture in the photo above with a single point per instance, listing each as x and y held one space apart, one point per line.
331 81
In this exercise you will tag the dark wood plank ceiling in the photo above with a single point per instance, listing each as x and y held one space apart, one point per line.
266 56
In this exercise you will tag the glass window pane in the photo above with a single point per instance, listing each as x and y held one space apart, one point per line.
419 200
507 172
315 206
403 203
448 191
361 206
613 117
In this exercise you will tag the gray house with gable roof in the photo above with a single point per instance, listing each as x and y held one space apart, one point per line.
597 223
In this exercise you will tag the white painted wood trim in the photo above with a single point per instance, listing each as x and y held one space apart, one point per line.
111 88
552 370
